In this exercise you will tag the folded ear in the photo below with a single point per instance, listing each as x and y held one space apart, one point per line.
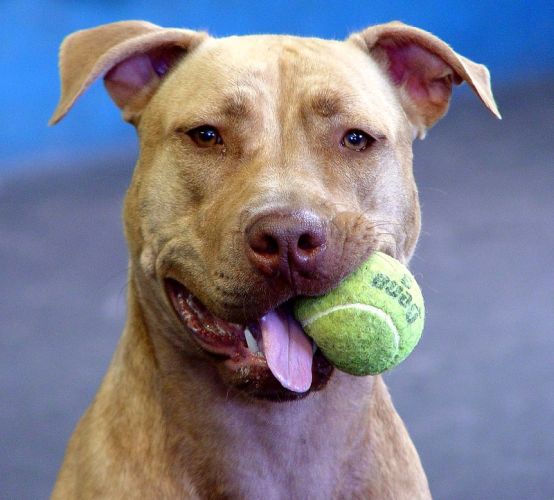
423 68
133 56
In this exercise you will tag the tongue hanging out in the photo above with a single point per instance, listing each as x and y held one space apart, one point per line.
287 349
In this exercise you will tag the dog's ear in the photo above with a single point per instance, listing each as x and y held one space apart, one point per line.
423 68
133 56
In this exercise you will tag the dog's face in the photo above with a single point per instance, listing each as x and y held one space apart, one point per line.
270 167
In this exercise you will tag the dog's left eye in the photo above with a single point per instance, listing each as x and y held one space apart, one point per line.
205 136
356 140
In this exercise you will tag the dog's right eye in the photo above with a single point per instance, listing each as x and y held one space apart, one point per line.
205 136
357 140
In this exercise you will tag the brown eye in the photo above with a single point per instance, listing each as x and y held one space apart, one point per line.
356 140
205 136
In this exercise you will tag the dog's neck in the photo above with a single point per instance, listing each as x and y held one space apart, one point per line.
236 445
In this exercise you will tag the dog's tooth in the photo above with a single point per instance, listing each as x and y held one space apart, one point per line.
251 341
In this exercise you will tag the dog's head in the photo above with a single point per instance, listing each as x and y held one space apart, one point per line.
270 167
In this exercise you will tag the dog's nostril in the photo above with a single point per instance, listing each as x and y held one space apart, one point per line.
265 244
308 242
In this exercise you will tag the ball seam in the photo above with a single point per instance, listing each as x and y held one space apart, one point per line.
363 307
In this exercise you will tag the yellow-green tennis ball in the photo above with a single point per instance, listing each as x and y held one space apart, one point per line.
371 321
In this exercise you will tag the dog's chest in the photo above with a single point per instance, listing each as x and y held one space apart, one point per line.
290 457
276 478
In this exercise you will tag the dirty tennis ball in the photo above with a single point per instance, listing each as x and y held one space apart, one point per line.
369 323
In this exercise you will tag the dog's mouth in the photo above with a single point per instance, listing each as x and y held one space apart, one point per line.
271 357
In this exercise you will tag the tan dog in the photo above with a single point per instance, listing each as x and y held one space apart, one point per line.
270 167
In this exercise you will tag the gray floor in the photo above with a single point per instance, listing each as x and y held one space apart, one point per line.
477 395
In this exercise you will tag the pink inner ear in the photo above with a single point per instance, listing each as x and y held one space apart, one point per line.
126 80
129 77
134 72
424 75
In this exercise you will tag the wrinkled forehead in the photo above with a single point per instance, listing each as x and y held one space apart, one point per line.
240 76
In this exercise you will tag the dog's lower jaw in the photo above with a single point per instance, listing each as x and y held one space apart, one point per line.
242 361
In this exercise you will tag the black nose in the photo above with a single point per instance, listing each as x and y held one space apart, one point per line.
287 244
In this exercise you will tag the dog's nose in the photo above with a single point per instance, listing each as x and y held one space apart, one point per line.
286 244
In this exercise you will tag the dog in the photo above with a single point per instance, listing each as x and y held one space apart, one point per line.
270 167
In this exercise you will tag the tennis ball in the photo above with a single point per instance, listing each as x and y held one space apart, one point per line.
369 323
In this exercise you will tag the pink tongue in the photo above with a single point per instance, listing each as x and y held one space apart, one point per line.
287 350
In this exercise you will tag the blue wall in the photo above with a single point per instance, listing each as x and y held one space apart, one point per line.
514 38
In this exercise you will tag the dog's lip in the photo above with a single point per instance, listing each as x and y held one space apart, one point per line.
213 334
227 341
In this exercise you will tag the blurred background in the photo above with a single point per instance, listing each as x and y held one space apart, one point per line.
477 393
